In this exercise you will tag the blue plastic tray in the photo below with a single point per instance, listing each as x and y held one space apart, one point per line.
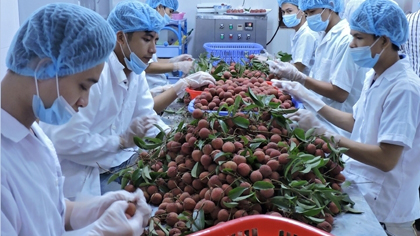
191 108
232 52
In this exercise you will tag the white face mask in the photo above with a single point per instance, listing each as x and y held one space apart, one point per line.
134 64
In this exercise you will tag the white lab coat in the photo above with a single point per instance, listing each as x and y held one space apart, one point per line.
91 137
334 64
156 80
389 112
304 43
32 200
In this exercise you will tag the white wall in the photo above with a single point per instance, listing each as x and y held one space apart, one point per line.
9 24
281 41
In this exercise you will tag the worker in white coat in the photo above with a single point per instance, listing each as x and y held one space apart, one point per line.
99 139
334 76
385 125
53 60
155 72
304 41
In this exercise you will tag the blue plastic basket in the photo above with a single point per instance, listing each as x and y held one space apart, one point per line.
191 108
232 52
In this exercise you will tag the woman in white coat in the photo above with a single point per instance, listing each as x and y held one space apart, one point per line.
99 139
385 125
304 41
54 59
334 76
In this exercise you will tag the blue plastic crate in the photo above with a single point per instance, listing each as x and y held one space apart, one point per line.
232 52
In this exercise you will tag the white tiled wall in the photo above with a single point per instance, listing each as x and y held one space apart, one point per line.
9 23
280 43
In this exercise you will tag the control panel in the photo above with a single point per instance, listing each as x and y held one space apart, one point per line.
235 31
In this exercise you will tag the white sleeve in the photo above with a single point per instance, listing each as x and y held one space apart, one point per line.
305 48
344 71
10 220
76 140
145 104
400 117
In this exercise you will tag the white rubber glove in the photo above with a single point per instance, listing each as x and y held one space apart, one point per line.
138 128
300 93
160 89
184 66
195 80
287 71
261 57
114 222
183 57
85 212
307 120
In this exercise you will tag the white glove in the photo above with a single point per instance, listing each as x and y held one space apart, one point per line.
195 80
114 222
183 57
138 127
160 89
261 58
302 94
184 66
88 211
307 120
287 71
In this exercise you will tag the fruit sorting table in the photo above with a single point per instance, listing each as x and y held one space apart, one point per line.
364 224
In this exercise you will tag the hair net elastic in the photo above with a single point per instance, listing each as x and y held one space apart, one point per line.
381 18
132 16
294 2
173 4
335 5
74 39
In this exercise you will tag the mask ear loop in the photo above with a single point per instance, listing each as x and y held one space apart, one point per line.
56 82
40 63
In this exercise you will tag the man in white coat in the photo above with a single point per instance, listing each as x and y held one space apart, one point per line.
99 139
383 150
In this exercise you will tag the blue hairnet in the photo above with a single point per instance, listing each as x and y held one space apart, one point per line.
173 4
381 18
73 37
294 2
132 16
335 5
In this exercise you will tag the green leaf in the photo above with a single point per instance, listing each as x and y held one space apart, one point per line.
266 99
309 133
163 229
139 142
124 182
300 134
281 202
243 197
201 144
136 175
255 98
113 177
122 172
220 154
237 103
261 185
241 122
244 139
161 135
195 171
140 164
314 219
254 146
218 70
160 128
250 107
236 192
199 220
180 126
347 208
296 184
225 128
230 204
146 171
164 189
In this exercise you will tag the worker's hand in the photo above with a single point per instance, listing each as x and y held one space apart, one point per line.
114 222
261 57
195 80
138 128
160 89
184 66
183 57
287 71
87 211
307 120
300 93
